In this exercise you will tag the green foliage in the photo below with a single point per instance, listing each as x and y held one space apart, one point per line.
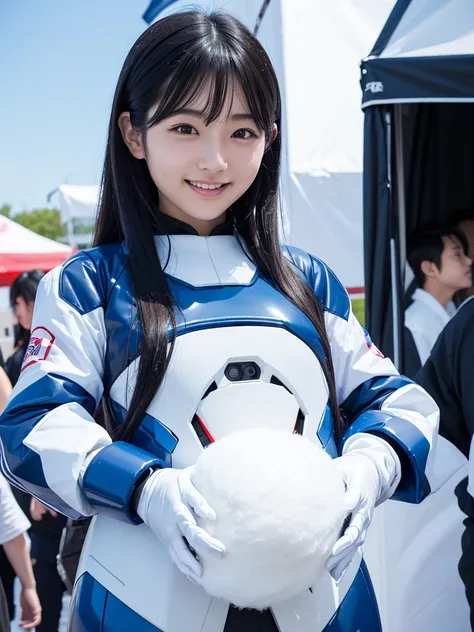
5 210
44 221
82 226
358 307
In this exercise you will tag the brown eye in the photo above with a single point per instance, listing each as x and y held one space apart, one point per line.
184 129
244 134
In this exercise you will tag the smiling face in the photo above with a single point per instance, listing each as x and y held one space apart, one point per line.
201 169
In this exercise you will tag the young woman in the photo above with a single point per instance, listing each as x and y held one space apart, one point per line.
188 306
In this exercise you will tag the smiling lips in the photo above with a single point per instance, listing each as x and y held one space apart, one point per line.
207 189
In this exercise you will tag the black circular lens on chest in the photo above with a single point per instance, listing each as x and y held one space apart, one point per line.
233 372
242 371
251 371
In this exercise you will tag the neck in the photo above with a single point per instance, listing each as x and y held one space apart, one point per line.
203 227
442 294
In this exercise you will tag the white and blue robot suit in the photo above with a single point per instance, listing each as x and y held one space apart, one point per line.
244 356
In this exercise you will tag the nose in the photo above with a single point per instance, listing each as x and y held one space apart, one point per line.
211 159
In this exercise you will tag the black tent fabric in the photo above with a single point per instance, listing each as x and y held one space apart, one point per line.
418 162
428 78
438 170
377 203
414 70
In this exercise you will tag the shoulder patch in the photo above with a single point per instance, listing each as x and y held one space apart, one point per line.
331 293
39 346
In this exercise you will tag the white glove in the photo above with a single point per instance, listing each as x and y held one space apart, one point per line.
371 471
362 489
168 504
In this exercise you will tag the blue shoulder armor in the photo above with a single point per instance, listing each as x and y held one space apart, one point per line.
86 278
331 293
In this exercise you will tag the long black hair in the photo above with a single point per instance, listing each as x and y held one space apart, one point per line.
166 69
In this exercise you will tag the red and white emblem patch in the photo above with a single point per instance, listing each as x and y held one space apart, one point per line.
39 346
370 344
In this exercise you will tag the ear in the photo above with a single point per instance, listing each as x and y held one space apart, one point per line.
428 268
131 136
273 137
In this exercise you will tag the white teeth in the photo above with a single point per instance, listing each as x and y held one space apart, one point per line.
205 186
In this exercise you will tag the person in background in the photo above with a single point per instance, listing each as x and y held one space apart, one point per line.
5 384
22 299
14 362
13 525
464 220
448 377
46 524
5 388
7 574
441 265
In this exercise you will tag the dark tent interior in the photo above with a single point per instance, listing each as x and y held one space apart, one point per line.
418 171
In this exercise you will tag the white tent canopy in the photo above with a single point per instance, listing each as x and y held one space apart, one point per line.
77 201
21 250
78 208
433 27
16 239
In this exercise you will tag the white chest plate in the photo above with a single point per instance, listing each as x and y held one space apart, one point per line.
291 384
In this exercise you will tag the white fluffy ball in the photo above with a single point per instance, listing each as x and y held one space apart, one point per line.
279 501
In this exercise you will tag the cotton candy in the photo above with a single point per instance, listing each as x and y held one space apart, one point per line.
279 501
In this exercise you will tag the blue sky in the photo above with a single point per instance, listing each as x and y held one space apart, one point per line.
60 64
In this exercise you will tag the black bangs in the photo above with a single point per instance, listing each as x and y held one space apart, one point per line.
25 286
211 62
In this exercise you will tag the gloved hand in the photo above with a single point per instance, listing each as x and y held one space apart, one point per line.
168 504
362 481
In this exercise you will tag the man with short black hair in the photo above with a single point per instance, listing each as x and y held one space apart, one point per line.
439 260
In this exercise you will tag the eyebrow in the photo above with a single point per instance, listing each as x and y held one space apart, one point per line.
240 116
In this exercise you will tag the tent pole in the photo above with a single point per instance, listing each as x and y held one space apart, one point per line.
394 269
400 167
393 275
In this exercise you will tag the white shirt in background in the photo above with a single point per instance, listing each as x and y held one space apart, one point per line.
13 521
426 318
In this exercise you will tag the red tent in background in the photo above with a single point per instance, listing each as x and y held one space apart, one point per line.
22 250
